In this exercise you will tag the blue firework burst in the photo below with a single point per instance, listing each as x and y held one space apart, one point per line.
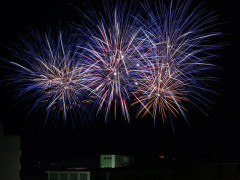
155 55
49 70
178 62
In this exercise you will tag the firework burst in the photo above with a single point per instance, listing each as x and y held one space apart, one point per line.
156 57
50 72
160 89
178 60
112 52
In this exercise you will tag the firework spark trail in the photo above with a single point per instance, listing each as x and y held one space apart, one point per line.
51 70
178 60
114 49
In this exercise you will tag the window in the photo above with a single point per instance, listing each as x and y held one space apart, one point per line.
53 176
83 176
73 176
63 176
107 158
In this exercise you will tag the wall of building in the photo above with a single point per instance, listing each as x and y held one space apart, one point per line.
9 156
107 161
121 161
113 161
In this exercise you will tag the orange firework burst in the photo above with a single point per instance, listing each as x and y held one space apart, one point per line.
161 89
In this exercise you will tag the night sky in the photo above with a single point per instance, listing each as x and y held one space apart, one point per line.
204 136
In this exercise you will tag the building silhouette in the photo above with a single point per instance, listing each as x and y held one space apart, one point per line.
123 167
9 155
